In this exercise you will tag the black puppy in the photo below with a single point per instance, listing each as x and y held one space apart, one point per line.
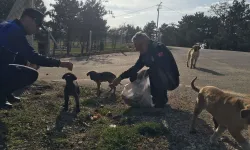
102 77
71 89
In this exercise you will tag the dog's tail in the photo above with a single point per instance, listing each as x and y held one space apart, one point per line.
193 86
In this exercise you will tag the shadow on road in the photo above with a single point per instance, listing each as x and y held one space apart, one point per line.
210 71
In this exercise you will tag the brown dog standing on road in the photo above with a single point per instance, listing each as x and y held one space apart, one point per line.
230 111
100 77
193 55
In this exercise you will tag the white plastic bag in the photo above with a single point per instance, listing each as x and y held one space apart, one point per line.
138 94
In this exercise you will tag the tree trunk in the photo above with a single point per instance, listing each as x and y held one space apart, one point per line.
87 47
68 47
82 47
115 43
68 42
54 49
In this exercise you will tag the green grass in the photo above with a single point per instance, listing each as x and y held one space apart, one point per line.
127 137
39 122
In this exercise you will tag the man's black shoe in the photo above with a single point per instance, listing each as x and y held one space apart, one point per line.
12 99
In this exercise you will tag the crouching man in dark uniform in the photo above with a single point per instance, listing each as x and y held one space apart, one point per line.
163 71
14 75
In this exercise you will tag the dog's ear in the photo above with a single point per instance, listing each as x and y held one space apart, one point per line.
195 47
244 113
63 77
73 77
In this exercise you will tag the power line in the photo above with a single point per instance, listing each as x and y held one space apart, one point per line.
173 10
134 11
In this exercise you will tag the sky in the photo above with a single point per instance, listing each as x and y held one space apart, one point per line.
139 12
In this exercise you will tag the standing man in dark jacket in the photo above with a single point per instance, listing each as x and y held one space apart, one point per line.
163 71
15 75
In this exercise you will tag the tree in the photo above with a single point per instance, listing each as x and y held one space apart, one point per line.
6 6
39 4
113 34
91 18
196 28
220 9
130 31
169 34
137 29
238 28
234 27
227 28
65 14
76 19
149 29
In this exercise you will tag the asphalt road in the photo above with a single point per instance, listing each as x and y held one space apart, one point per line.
226 69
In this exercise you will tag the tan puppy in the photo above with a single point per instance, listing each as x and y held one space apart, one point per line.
193 54
229 110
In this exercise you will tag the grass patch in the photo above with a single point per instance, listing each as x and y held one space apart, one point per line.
151 129
89 102
128 137
120 137
38 122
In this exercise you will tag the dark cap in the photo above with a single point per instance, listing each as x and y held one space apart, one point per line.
35 14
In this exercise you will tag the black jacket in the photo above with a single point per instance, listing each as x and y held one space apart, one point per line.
158 55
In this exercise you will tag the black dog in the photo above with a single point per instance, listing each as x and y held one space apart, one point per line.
71 89
102 77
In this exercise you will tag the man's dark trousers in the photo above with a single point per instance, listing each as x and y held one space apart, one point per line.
14 77
159 94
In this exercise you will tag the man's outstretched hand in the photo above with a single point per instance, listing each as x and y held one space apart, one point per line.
67 65
115 82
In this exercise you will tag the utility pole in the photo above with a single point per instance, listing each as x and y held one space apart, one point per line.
158 10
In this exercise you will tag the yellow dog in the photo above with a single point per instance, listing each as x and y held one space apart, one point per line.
193 54
230 111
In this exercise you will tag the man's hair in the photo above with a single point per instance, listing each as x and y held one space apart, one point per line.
139 36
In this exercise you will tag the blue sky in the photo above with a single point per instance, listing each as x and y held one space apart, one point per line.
171 11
